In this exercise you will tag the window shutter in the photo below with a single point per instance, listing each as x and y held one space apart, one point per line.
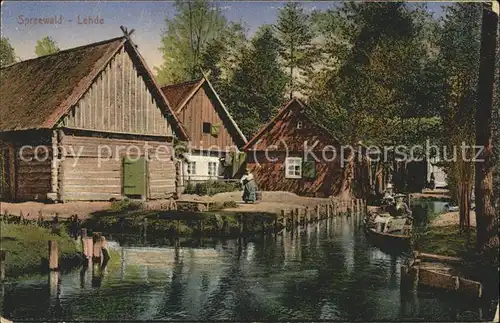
214 130
309 169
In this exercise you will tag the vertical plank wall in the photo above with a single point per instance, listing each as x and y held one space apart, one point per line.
201 108
120 109
119 101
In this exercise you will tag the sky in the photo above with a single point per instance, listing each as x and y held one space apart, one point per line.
146 17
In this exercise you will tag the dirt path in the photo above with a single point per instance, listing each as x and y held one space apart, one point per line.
452 218
31 210
437 193
272 202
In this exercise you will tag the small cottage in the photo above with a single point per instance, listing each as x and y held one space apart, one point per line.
295 153
215 138
87 123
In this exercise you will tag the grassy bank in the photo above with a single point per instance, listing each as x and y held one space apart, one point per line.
179 223
446 240
26 247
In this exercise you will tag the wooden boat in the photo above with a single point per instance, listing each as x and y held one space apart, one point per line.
438 272
388 240
390 232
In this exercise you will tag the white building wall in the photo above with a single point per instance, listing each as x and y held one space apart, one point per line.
201 168
439 174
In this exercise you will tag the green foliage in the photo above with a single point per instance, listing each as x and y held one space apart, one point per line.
445 240
27 247
7 53
295 35
46 46
187 35
458 65
211 187
383 51
126 205
256 89
221 55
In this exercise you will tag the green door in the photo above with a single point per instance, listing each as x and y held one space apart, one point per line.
134 176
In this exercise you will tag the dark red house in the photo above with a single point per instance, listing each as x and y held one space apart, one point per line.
295 153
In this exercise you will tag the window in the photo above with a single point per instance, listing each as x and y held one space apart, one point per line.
191 169
212 168
299 125
207 127
293 167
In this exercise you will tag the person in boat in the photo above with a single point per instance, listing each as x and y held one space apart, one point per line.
401 208
249 187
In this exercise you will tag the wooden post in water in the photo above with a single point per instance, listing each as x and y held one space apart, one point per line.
240 224
328 210
297 217
53 255
283 220
89 248
97 250
2 265
318 214
226 225
83 236
145 229
307 216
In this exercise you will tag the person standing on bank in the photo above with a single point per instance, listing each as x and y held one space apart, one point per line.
249 187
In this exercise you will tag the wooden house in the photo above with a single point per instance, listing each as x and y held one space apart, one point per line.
295 153
87 123
212 131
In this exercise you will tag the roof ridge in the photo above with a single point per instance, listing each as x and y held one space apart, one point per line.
182 84
66 50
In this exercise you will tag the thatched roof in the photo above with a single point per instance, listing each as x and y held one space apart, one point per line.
36 93
175 93
32 90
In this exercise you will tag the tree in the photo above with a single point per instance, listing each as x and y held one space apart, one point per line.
221 55
256 89
295 35
195 24
383 78
458 61
486 217
7 53
46 46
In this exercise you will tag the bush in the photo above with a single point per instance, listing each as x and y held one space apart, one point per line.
126 205
211 187
217 206
26 246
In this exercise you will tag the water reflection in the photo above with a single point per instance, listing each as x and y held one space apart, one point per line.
319 272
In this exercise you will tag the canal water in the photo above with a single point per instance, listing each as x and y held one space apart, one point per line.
326 272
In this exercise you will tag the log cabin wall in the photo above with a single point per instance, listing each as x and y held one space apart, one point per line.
29 156
270 175
93 166
119 101
203 107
